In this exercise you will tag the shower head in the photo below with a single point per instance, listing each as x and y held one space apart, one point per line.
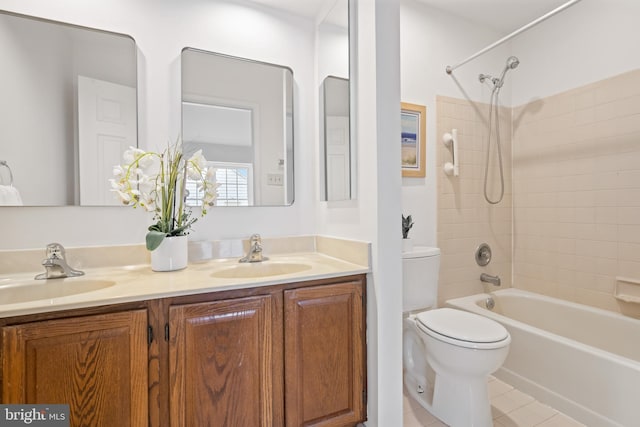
512 62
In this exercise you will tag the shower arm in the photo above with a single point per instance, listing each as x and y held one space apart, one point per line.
544 17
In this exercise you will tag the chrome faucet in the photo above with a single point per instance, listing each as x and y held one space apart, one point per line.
255 250
56 264
494 280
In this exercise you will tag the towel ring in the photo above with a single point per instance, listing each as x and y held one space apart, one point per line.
6 165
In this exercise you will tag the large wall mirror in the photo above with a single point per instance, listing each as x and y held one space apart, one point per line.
240 114
69 109
337 168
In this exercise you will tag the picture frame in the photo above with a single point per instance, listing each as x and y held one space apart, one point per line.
413 139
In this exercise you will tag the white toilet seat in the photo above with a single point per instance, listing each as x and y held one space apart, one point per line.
462 329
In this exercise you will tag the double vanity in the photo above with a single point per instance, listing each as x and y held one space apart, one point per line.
278 342
221 343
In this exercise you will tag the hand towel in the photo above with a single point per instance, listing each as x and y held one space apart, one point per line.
10 196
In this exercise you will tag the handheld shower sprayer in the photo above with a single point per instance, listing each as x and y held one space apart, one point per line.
512 63
494 120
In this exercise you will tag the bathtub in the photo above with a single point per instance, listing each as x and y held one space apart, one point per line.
580 360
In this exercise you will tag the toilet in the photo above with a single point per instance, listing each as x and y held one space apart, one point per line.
448 354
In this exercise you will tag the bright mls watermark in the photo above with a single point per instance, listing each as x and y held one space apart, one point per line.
34 415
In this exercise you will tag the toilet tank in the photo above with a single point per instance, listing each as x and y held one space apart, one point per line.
420 269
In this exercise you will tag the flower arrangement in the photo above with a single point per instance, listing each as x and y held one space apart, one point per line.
156 182
407 223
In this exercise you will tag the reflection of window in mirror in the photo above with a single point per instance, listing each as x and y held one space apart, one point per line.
235 185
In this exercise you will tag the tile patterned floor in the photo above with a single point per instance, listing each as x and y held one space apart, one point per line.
510 408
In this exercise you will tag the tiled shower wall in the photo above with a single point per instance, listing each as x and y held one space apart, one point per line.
575 204
465 219
576 180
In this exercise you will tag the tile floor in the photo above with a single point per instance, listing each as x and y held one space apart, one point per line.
510 408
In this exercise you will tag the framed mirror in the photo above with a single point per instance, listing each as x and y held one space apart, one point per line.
337 168
68 108
239 112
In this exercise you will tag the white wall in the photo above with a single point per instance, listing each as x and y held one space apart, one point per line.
373 216
590 41
161 29
333 51
431 39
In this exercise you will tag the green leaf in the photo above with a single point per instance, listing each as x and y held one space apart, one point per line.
154 238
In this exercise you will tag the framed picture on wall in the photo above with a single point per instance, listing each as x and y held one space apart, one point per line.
413 139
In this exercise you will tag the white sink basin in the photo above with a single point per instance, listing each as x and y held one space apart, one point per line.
260 269
14 292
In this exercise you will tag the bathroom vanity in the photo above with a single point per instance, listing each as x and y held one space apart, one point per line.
285 350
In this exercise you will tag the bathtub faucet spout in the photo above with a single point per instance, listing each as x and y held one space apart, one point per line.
494 280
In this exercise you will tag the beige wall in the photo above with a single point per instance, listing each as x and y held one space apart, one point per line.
576 183
575 205
465 219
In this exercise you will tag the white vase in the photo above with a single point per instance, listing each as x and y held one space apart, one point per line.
407 245
171 255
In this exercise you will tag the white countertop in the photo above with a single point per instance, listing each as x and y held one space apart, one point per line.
139 282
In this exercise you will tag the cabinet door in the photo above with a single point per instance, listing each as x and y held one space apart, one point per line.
324 355
96 364
221 362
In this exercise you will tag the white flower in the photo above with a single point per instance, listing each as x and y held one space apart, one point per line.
196 166
118 172
198 160
146 184
148 203
147 161
132 154
124 197
211 174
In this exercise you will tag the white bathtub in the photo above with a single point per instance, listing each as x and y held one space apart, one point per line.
581 360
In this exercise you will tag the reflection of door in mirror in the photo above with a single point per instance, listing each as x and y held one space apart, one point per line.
336 138
238 112
40 133
106 128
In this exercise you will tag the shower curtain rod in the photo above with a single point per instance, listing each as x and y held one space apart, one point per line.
450 68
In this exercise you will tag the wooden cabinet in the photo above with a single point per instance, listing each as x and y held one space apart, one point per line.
282 355
96 364
324 355
221 362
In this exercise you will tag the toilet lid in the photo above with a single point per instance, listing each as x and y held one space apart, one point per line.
462 325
